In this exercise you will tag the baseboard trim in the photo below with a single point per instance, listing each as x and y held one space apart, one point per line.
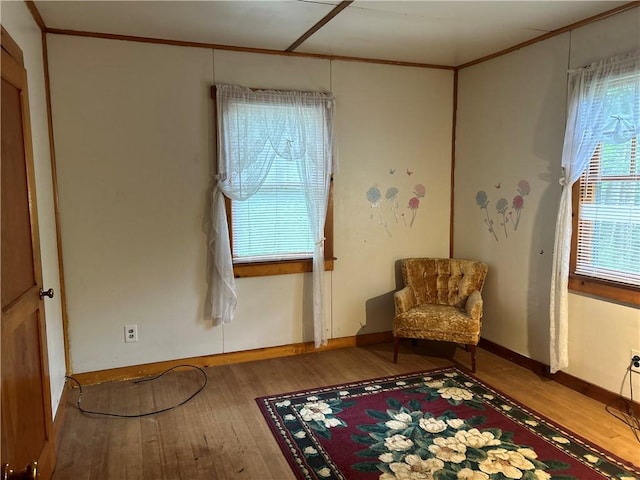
138 371
574 383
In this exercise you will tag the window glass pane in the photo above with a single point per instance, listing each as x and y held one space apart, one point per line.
609 216
273 224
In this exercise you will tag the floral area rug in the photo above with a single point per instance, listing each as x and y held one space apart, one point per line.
442 424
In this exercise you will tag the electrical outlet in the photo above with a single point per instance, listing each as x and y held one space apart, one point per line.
130 333
635 361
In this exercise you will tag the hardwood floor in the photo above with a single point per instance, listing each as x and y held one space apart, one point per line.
221 434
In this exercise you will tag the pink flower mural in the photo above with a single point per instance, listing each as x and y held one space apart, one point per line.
414 203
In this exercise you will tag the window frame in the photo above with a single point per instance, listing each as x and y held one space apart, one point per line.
601 288
277 267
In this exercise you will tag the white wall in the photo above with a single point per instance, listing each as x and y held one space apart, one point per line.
132 126
511 121
390 121
134 146
17 20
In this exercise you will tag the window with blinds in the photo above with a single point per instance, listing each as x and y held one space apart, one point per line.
608 227
273 225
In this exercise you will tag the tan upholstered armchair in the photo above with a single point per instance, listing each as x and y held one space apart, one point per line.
440 301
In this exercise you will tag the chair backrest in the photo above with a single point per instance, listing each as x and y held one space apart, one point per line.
443 281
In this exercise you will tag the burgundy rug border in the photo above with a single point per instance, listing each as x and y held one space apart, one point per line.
261 401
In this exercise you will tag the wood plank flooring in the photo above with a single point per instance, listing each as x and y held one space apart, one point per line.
221 434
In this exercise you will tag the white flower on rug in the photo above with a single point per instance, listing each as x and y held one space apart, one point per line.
455 423
289 417
399 421
331 422
448 449
560 440
315 411
476 439
310 451
386 457
451 375
432 425
372 387
528 452
402 417
455 393
396 425
400 383
435 384
284 403
509 463
312 398
343 393
300 434
324 472
413 468
506 408
488 397
592 458
533 423
398 443
542 475
468 474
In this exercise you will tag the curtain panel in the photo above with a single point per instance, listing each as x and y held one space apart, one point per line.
594 116
256 127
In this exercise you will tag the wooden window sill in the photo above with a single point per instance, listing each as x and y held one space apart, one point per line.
619 293
261 269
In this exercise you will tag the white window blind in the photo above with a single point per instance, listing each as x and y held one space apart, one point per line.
609 215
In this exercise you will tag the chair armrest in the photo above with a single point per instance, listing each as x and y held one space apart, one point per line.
404 300
473 306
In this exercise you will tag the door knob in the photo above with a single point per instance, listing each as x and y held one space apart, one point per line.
47 293
29 473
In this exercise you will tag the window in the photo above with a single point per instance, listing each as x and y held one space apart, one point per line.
605 257
283 145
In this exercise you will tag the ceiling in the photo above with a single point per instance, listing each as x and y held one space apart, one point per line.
448 33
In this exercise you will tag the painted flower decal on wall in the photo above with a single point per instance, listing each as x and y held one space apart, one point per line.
388 204
374 196
414 203
483 202
518 203
501 207
506 211
524 188
392 196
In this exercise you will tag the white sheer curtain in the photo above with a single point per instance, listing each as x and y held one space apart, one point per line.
595 114
254 128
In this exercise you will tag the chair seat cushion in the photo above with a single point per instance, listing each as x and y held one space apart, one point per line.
437 322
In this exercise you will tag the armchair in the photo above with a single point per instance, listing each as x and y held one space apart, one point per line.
441 301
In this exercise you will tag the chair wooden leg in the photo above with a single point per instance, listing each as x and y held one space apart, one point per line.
396 344
472 349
